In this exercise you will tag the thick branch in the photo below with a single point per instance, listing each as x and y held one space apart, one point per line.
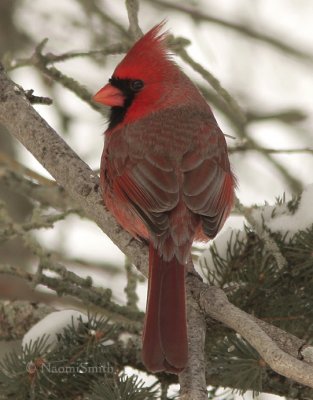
192 379
64 165
214 303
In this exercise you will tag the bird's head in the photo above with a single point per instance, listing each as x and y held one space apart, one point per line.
142 82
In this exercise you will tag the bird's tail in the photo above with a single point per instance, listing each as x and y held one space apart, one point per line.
165 346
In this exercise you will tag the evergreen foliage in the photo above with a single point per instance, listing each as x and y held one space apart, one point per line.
80 361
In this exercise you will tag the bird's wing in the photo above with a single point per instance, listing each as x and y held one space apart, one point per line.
140 158
173 154
150 191
208 187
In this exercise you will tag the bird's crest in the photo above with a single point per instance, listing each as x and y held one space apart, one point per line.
149 53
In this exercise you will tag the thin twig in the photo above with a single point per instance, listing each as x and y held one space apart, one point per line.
19 168
245 30
244 147
269 243
132 7
288 116
130 289
91 7
70 284
216 85
50 58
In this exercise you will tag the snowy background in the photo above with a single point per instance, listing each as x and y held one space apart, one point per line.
257 75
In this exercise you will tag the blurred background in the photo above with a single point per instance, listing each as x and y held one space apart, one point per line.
262 54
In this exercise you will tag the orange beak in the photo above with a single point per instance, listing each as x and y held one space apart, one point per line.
109 96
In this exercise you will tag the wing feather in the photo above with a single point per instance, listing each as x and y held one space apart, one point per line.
208 186
151 191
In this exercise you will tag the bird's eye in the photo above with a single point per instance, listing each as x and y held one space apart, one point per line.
136 85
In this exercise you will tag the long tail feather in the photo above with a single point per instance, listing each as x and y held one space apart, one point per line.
165 346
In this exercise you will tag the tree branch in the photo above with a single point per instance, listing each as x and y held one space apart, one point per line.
17 317
244 148
192 379
230 102
64 165
132 11
214 303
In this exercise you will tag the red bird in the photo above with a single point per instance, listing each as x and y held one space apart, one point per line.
166 177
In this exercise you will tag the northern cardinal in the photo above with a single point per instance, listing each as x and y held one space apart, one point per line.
165 176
